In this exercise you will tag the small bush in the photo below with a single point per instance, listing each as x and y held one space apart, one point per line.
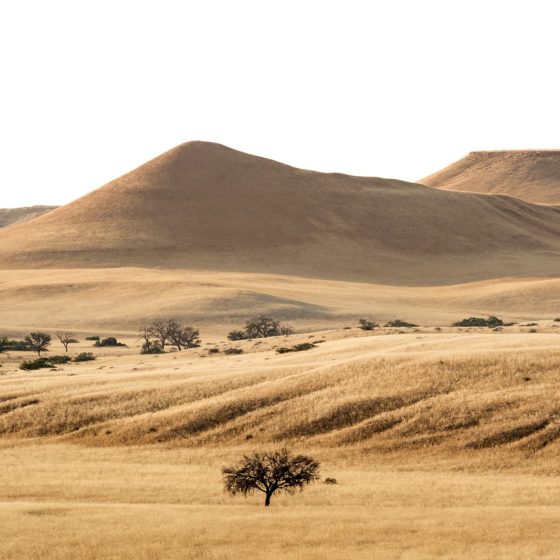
36 364
84 357
236 335
111 341
213 350
59 359
16 346
151 347
400 324
297 348
366 325
331 481
92 338
230 351
480 322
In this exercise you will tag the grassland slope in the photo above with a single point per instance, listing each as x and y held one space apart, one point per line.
205 206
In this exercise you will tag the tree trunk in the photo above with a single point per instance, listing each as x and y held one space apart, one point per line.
267 499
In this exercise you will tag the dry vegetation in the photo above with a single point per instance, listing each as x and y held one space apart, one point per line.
444 445
445 441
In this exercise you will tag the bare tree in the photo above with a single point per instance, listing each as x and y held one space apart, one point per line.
183 337
270 472
38 341
66 339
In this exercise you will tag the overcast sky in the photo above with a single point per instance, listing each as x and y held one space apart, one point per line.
91 89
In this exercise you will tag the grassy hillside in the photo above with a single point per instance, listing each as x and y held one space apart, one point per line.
484 396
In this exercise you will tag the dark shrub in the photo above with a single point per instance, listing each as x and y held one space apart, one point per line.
366 325
84 357
331 481
296 348
36 364
480 322
110 341
230 351
92 338
151 347
237 335
213 350
400 324
16 346
59 359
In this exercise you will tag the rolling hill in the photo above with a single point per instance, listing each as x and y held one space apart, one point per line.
203 206
10 216
531 175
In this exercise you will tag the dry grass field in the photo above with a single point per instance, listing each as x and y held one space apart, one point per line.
445 441
445 444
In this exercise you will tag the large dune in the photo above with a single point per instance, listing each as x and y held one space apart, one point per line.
205 206
10 216
531 175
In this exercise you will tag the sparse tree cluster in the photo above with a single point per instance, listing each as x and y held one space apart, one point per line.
162 332
261 327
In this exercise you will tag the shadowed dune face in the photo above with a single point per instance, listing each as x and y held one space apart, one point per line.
205 206
531 175
11 216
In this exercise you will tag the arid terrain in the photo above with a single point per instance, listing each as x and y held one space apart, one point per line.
444 440
531 175
11 216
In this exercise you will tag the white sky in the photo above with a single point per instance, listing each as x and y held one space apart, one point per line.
91 89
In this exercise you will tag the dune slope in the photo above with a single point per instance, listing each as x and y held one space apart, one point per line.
531 175
205 206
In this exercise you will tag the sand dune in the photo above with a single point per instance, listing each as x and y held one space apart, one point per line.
205 206
10 216
531 175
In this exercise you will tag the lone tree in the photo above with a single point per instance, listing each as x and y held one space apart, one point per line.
66 339
38 341
275 471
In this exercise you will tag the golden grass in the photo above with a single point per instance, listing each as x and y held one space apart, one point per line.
68 502
122 299
444 444
470 394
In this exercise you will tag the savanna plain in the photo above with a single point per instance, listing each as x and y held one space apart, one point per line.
443 444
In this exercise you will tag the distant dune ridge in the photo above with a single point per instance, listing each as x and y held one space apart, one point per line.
10 216
531 175
205 206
